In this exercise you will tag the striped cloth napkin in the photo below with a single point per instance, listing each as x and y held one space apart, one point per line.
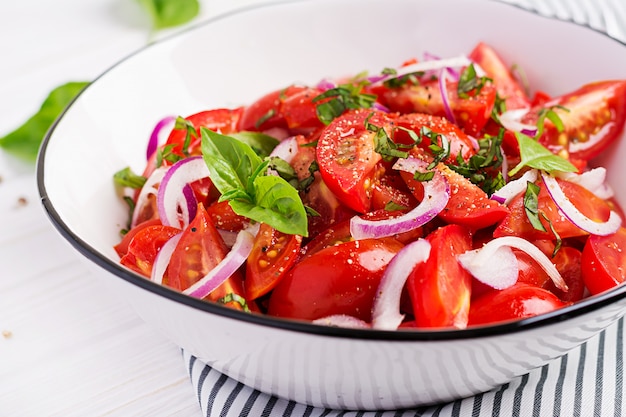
588 381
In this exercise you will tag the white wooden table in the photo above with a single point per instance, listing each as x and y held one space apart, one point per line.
68 345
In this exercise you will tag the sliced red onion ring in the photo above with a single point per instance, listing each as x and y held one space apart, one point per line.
222 271
286 149
510 120
429 65
151 187
496 268
443 88
176 195
326 84
386 310
153 143
342 320
162 259
574 215
593 180
505 194
436 196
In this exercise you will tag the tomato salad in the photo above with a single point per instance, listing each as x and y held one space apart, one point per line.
438 194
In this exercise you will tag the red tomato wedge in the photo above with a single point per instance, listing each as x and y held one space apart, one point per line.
516 302
199 250
604 261
340 279
221 120
516 223
458 140
144 247
440 288
471 113
273 254
347 159
595 118
506 85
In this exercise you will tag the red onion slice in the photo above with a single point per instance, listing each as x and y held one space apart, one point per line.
153 143
222 271
286 149
574 215
175 195
151 187
386 310
429 65
511 120
162 259
593 180
498 269
443 89
436 196
505 194
342 320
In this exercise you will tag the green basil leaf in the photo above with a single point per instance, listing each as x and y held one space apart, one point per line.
231 163
24 142
127 178
261 143
535 155
531 206
170 13
276 203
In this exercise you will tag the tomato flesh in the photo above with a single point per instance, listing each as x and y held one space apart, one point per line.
144 247
604 261
340 279
440 288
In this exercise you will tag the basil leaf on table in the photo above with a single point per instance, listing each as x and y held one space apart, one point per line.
24 142
170 13
240 175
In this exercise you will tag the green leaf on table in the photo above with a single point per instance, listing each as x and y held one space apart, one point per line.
170 13
24 142
535 155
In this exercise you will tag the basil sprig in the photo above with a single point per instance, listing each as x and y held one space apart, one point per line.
535 155
240 175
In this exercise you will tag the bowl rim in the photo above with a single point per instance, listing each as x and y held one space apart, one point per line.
572 311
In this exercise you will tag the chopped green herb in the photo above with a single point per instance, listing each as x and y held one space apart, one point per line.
127 178
190 132
342 98
261 143
306 182
235 298
470 81
165 154
531 206
24 142
553 116
270 113
384 146
393 206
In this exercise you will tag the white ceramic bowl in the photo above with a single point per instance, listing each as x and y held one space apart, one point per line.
236 58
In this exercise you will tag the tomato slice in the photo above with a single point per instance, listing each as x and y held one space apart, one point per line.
604 261
506 85
516 223
272 255
516 302
223 217
340 279
595 118
122 247
468 206
221 120
199 250
144 247
266 112
471 113
440 288
459 142
299 110
347 159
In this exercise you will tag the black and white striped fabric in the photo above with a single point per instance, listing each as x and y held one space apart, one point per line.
588 381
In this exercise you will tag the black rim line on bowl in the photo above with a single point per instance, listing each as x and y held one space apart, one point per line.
569 312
